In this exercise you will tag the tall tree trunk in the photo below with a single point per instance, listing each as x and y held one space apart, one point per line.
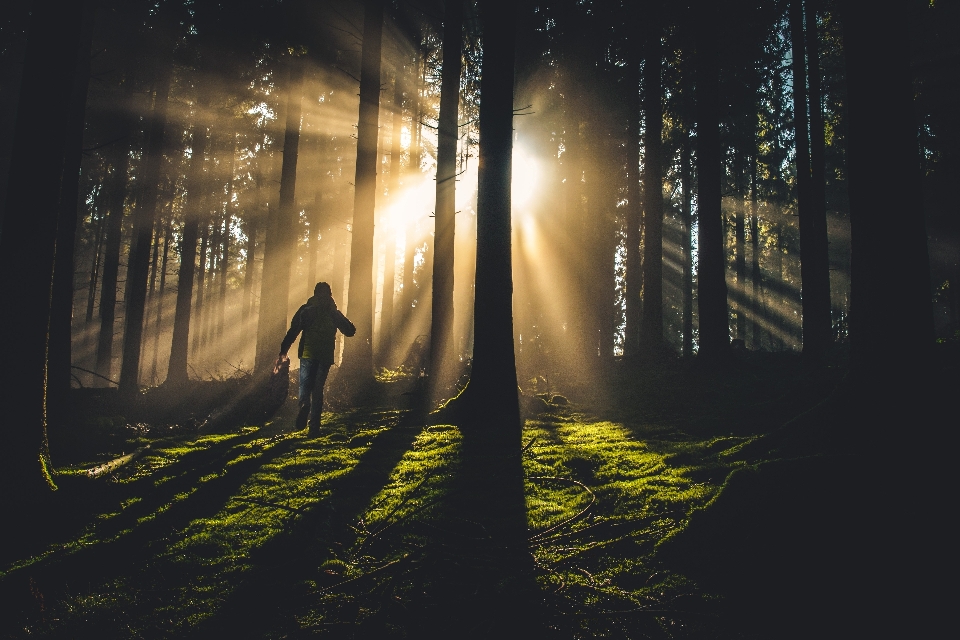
200 311
111 257
441 327
818 287
493 379
179 345
144 215
59 350
816 315
28 244
280 241
634 274
387 351
651 331
252 227
687 221
711 282
157 325
756 276
95 264
357 368
888 335
740 231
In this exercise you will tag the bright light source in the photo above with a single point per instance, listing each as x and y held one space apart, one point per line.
526 174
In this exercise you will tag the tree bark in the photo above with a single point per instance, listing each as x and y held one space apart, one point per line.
493 379
651 331
387 350
28 242
819 285
711 282
441 326
143 222
280 241
59 414
634 273
180 343
889 334
111 257
357 369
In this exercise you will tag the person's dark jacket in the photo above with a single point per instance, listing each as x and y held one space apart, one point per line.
318 320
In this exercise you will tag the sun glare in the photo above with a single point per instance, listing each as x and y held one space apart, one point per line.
526 174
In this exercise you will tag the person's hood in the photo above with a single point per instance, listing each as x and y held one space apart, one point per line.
325 302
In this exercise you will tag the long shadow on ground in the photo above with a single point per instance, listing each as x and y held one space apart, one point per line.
282 581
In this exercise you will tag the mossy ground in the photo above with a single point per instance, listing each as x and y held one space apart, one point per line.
374 529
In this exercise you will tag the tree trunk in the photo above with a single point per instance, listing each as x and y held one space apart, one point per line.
111 258
634 274
179 346
740 231
493 379
95 264
889 336
201 310
651 331
816 315
756 276
59 351
28 243
819 286
687 218
280 241
387 351
161 289
143 221
441 327
711 282
357 368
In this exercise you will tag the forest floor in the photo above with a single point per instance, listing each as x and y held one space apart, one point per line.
653 510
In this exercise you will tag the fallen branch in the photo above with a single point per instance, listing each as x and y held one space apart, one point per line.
116 463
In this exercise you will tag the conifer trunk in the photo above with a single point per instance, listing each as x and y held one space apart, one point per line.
441 327
145 213
280 241
179 346
651 331
711 282
358 353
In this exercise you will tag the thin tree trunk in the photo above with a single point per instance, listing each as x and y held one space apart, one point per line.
740 231
252 228
687 218
815 318
441 327
358 352
818 286
634 213
179 345
280 241
389 271
711 281
167 236
144 215
111 259
756 276
651 331
95 266
200 311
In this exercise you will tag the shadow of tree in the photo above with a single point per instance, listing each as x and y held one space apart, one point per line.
285 568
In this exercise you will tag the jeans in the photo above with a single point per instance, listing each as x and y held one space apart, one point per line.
313 376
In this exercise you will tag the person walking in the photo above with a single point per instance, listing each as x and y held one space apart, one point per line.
318 320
